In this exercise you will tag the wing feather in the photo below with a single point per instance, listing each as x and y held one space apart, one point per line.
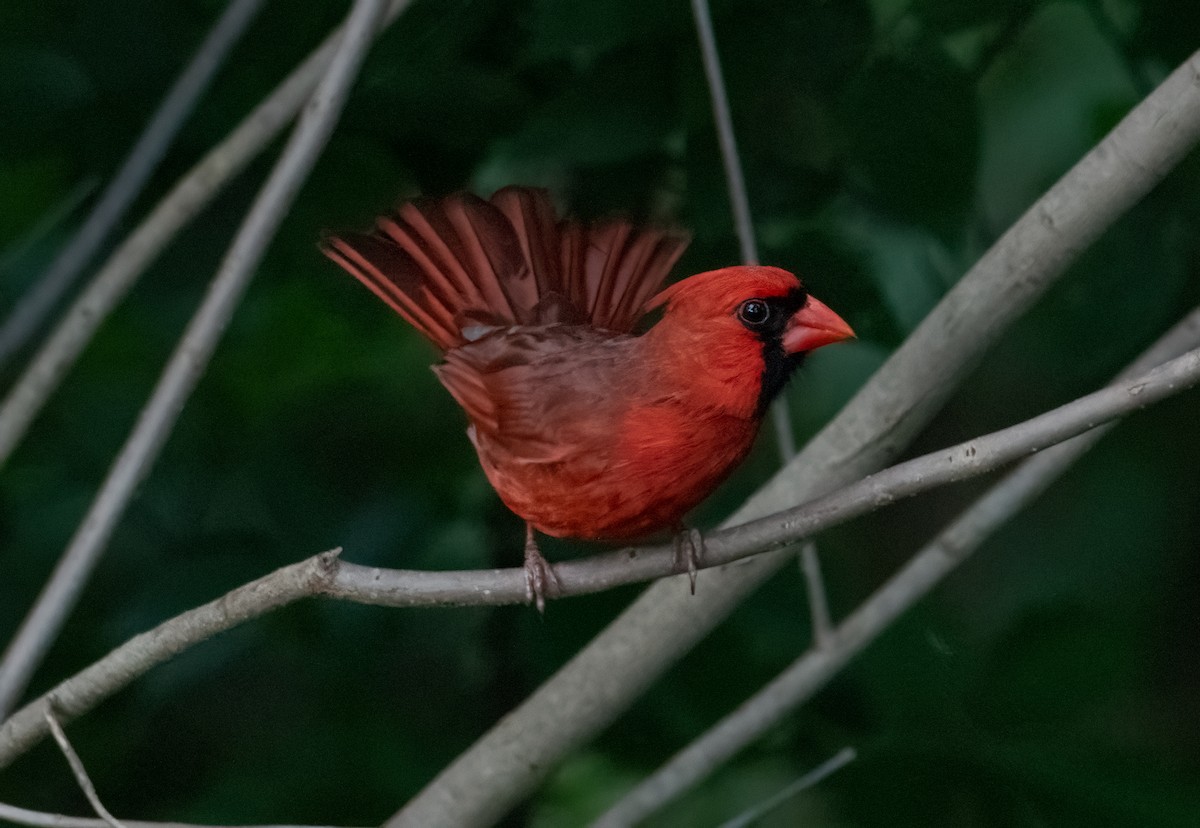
451 266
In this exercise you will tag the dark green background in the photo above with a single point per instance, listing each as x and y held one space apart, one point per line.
887 144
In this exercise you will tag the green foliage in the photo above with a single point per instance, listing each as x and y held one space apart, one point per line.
886 145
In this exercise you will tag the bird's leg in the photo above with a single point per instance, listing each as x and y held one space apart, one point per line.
689 550
539 577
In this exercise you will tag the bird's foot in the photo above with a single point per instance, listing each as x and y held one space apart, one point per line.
689 551
540 579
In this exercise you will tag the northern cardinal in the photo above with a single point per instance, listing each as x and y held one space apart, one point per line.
584 428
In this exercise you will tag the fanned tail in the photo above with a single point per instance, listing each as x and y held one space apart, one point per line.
451 266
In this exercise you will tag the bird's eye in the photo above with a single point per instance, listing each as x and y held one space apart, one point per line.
754 312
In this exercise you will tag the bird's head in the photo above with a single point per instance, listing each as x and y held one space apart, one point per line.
747 328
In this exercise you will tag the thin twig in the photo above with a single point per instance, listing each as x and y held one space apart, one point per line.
924 570
735 181
726 138
814 588
77 768
811 779
781 418
324 575
41 819
191 194
818 603
187 363
603 679
31 312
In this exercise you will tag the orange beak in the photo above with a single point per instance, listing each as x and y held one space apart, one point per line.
812 326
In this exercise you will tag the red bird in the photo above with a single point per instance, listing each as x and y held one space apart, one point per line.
584 428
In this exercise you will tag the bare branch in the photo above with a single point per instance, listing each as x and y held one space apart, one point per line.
603 679
195 348
189 196
29 314
325 576
915 580
77 768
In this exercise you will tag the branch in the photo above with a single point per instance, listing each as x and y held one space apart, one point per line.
603 679
29 314
326 576
187 363
191 194
916 579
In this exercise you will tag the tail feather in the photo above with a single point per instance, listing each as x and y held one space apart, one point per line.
455 263
494 259
536 225
635 258
393 276
606 251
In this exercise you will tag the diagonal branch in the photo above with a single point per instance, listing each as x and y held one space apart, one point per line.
917 578
191 356
29 314
603 679
324 575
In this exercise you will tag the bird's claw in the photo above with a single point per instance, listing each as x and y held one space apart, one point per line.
540 579
689 550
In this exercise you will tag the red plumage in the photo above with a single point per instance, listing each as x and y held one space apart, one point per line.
583 428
